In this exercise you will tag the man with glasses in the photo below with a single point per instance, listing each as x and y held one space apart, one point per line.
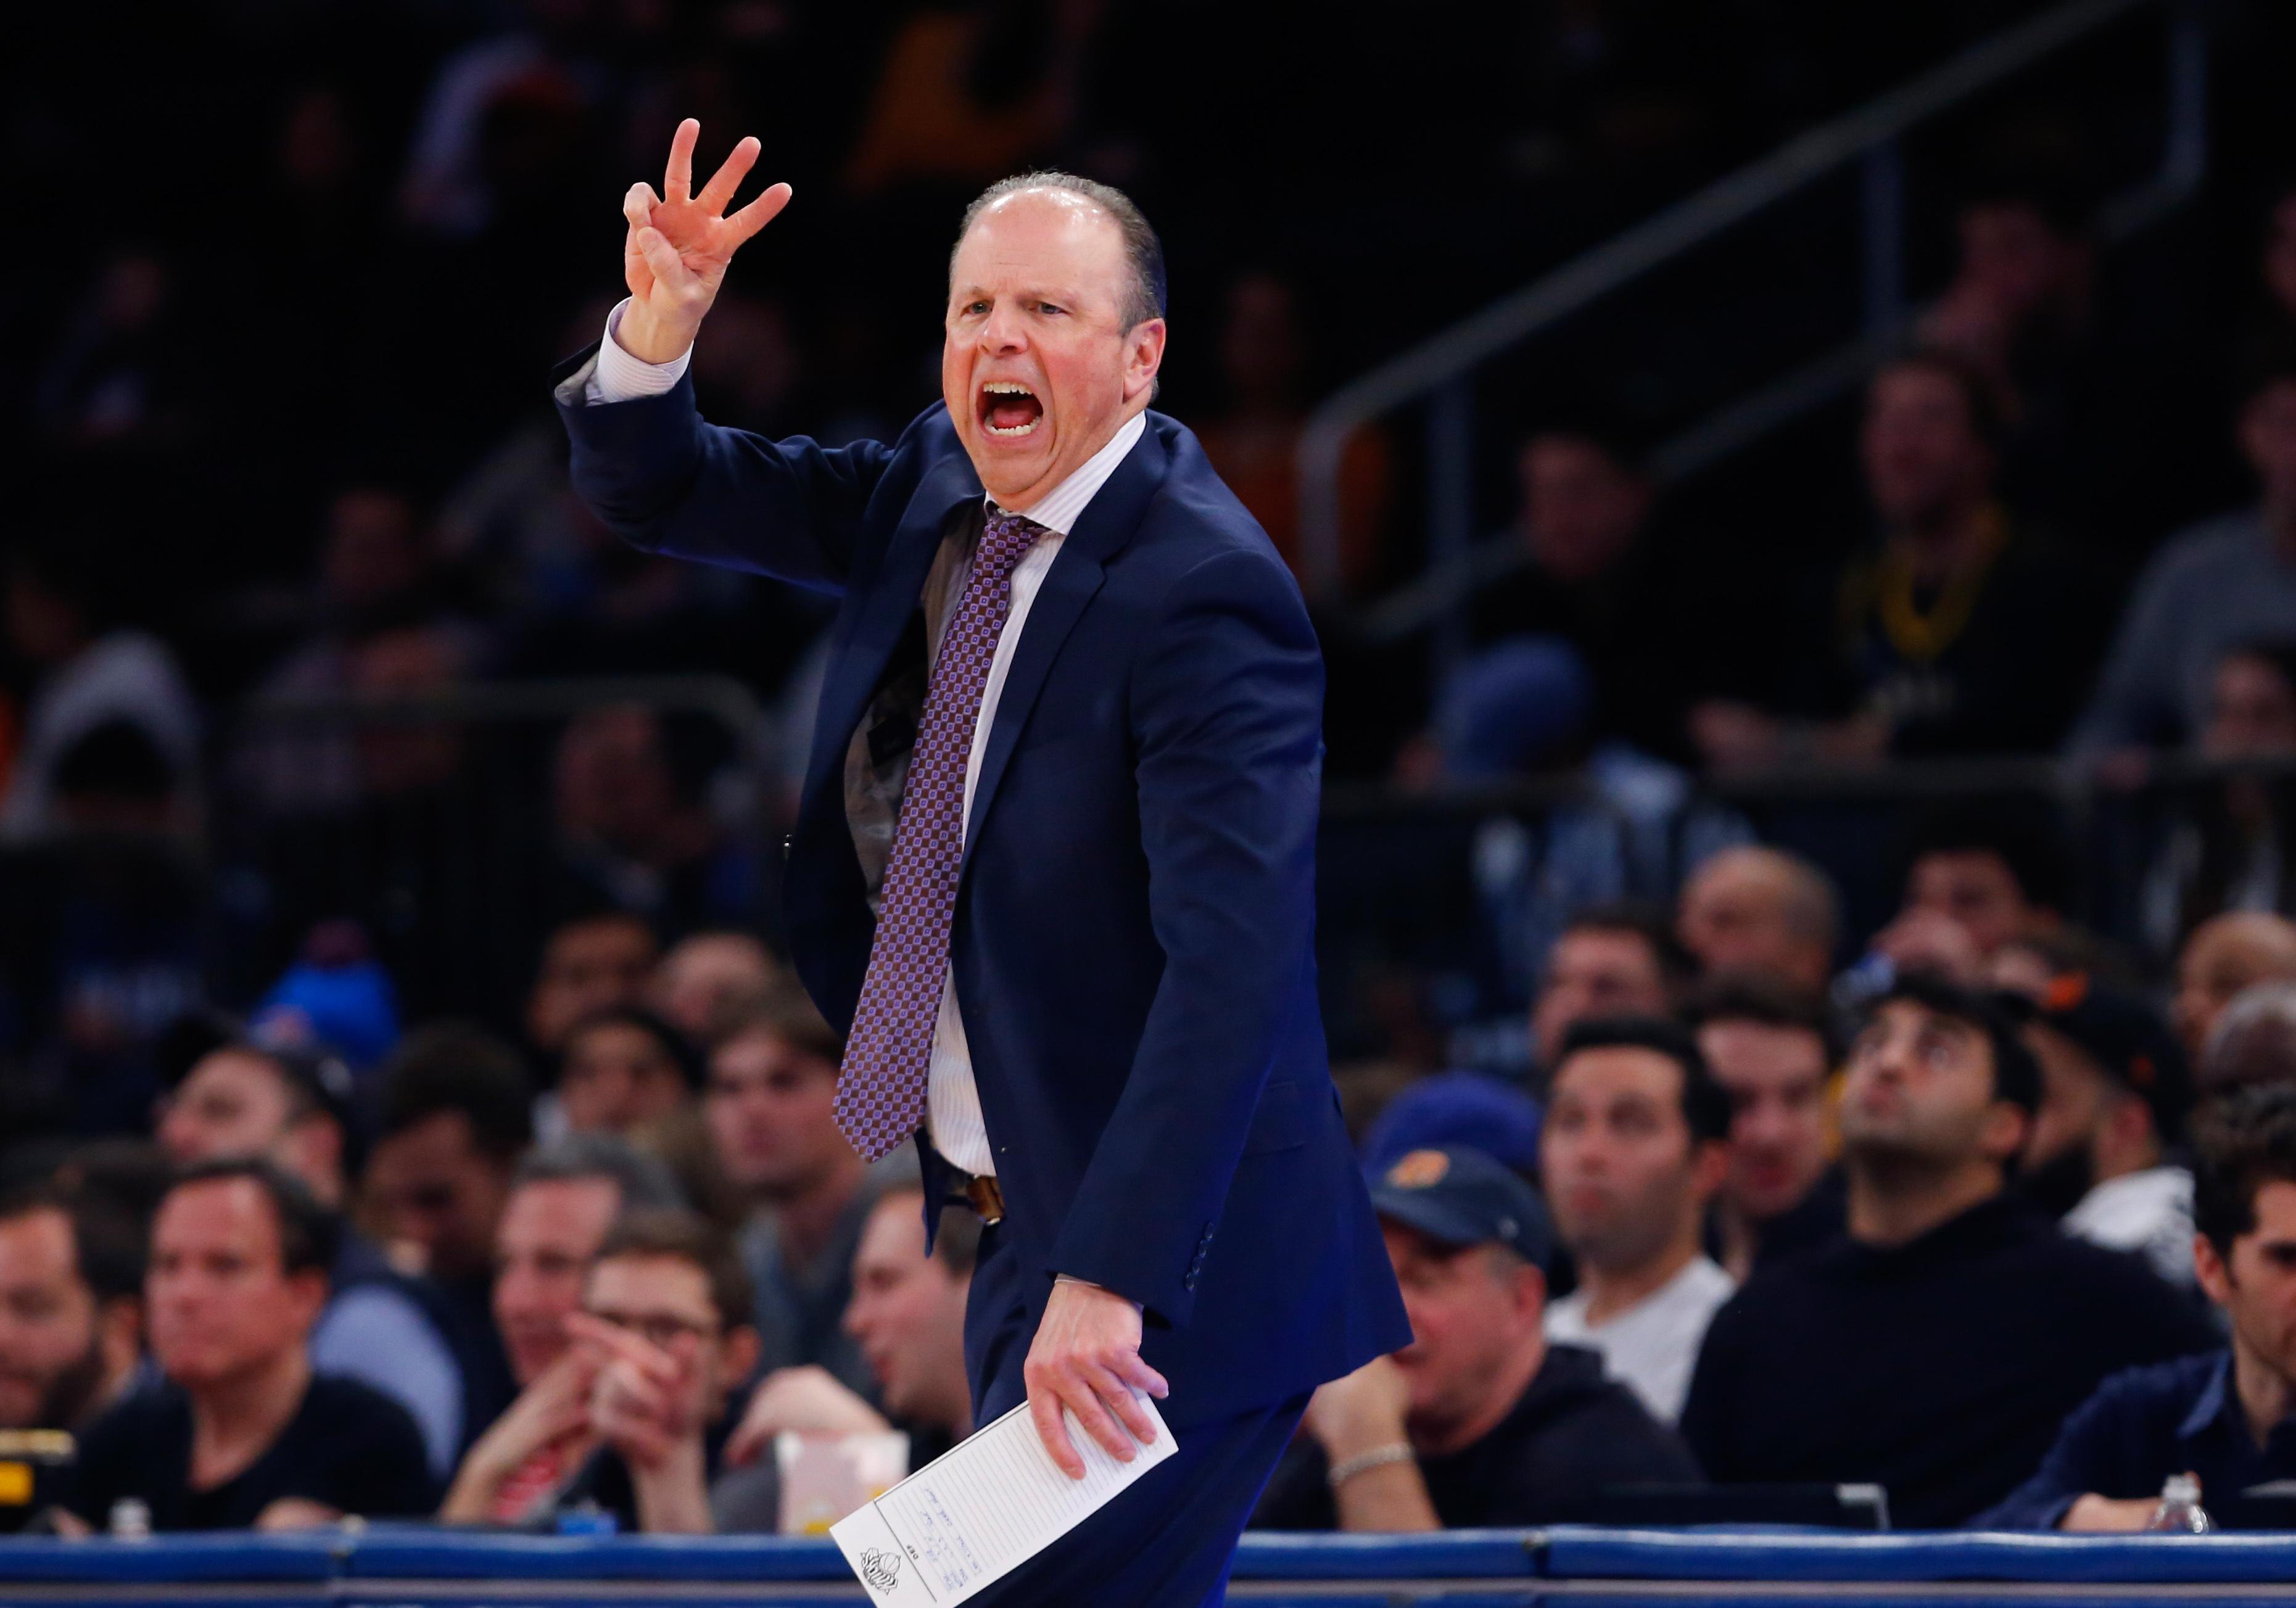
1936 1349
665 1316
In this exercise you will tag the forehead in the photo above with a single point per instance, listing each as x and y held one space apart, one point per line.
1605 948
1040 237
615 1040
757 1054
601 944
657 1281
895 1233
234 1212
35 1244
1916 387
1743 1051
1620 1071
233 1072
1965 868
1911 1016
560 1211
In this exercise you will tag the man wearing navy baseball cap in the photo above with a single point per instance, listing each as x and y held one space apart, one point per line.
2115 1090
1479 1420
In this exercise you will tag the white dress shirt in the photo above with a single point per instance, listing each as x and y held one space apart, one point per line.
952 1098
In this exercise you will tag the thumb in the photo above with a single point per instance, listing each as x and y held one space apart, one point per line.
669 269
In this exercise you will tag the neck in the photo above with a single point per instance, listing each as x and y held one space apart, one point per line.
1939 545
2117 1159
1508 1381
233 1420
1895 1205
1611 1290
807 1219
1741 1239
2266 1395
1053 480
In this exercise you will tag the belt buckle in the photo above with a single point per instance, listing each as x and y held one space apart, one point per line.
986 1199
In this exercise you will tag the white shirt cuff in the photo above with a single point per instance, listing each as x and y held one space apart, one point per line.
618 377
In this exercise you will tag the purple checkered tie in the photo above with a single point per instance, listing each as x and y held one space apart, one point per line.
881 1089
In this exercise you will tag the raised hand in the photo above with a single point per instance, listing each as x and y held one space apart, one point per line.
679 243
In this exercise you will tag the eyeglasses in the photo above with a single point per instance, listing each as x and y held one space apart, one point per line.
664 1329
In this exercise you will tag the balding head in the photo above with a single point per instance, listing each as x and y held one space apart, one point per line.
2224 955
1054 330
1762 912
2254 1040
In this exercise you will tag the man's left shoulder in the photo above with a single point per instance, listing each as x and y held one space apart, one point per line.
1194 515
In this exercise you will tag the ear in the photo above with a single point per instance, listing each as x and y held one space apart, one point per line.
1531 1293
2007 1126
314 1149
1144 356
119 1334
309 1289
737 1354
1709 1168
2215 1278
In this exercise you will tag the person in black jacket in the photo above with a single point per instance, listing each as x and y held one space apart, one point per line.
1936 1350
1479 1421
241 1433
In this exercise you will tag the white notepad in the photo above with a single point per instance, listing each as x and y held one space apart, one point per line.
983 1509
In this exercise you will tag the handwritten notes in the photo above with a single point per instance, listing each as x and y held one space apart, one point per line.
976 1513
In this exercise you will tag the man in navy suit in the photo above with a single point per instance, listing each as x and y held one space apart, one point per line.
1053 864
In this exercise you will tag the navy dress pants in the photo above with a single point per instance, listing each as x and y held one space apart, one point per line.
1168 1540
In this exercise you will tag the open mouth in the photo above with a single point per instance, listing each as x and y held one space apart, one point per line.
1009 408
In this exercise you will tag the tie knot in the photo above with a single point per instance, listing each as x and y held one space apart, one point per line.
1005 540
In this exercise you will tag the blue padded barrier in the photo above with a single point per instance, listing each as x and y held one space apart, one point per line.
1578 1553
311 1558
1475 1554
414 1553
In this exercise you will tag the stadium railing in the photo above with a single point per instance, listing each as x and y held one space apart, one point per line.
1466 1569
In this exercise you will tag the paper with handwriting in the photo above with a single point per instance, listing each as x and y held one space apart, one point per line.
983 1509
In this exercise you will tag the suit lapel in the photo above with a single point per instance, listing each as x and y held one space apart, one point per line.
883 613
1108 521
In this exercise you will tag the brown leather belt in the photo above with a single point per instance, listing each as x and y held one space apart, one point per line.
984 1198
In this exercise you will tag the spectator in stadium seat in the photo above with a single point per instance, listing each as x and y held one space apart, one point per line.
1773 1052
1975 880
1483 1419
2223 1415
2225 847
589 964
2224 956
2223 584
907 1313
1439 1109
2115 1088
665 1320
1937 1348
1262 355
2254 1039
709 982
89 673
629 833
71 1306
243 1433
624 1067
1612 960
1964 631
1632 1151
453 1114
1758 910
770 1108
563 1201
292 1108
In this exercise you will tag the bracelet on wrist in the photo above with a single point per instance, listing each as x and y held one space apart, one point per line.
1378 1456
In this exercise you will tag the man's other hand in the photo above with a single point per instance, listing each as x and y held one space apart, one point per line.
2105 1514
678 244
1086 1358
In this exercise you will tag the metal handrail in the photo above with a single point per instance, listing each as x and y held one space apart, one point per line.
1868 134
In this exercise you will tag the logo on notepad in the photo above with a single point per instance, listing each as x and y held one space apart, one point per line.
878 1568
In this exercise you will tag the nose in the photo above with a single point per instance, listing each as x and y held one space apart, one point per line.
1001 333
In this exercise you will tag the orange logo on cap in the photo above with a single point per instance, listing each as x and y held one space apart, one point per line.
2065 992
1421 1169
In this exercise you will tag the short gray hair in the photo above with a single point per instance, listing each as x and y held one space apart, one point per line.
1143 253
646 1183
2254 1039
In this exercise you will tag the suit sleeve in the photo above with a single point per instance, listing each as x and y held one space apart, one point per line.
663 480
2092 1454
1226 712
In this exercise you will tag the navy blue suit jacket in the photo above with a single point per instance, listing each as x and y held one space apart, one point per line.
1132 935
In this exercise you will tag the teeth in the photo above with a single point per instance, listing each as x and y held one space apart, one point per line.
1006 388
1017 430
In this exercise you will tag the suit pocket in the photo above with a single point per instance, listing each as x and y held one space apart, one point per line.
1280 1120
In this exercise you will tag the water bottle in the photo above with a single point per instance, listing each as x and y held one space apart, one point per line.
131 1519
2180 1513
